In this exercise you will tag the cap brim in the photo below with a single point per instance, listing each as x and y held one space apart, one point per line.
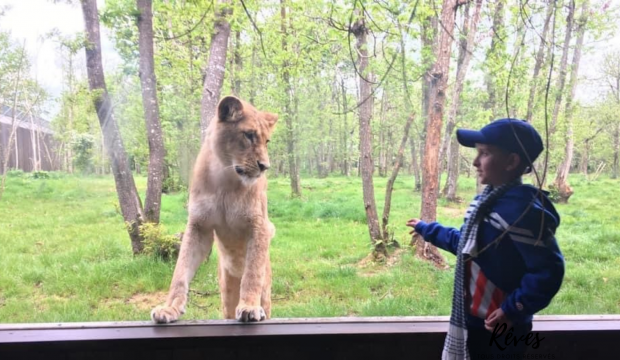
469 138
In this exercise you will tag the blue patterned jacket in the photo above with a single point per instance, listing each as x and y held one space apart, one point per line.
519 265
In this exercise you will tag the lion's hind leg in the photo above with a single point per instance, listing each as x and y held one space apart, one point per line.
229 291
265 299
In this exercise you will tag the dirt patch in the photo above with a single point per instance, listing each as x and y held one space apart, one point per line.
395 257
370 267
147 301
453 212
43 301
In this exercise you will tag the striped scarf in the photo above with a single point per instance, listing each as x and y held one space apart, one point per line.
455 346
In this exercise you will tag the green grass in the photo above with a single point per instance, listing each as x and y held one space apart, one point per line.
65 255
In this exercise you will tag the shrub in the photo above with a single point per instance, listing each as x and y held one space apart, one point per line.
158 243
554 193
83 145
39 175
15 173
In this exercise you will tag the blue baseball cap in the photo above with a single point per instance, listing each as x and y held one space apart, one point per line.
513 135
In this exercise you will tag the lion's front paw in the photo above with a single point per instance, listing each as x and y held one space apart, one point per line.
166 314
247 313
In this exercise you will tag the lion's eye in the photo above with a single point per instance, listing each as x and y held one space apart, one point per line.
250 136
268 141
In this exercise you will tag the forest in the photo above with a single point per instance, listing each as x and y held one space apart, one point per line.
365 89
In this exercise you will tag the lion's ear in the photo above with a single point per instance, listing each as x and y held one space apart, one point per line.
230 109
271 118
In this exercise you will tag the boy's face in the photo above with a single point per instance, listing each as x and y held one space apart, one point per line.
494 165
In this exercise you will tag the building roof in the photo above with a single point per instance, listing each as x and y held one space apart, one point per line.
24 120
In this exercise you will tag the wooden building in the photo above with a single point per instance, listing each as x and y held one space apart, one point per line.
34 145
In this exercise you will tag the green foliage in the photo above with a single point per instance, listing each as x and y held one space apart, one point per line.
172 184
554 193
15 173
320 59
39 175
122 14
83 145
158 243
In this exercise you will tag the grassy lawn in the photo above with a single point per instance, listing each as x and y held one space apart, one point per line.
65 255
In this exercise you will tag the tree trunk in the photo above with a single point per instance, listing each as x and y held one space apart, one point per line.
216 67
383 142
430 42
366 163
494 56
409 106
129 200
615 173
40 150
559 87
290 139
157 152
14 122
611 68
33 144
390 150
561 181
585 157
319 151
416 166
453 171
540 57
390 184
236 66
466 48
16 142
345 126
439 84
69 153
253 74
331 146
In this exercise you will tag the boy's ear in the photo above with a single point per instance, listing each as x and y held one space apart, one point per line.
514 162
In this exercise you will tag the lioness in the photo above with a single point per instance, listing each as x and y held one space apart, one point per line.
228 203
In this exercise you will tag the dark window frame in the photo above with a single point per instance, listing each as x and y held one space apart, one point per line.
566 337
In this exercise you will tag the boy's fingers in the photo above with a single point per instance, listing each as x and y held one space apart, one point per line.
492 318
489 323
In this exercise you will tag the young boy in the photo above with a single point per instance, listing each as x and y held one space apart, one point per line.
509 265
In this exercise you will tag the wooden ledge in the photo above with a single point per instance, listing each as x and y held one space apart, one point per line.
566 337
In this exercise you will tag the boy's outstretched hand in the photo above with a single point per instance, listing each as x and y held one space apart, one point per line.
412 223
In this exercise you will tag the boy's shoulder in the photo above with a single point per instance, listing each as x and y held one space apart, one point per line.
521 196
527 205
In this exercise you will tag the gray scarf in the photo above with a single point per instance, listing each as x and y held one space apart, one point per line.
455 346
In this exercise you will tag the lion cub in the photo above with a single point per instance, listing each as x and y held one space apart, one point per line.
228 203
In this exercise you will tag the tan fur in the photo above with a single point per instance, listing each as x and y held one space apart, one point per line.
230 208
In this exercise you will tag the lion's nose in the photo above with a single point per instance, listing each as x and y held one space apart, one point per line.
262 166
